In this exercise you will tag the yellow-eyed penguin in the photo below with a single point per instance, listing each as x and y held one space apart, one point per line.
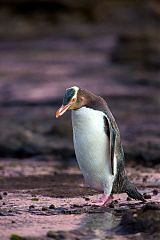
97 144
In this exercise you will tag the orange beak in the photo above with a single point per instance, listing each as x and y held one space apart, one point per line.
62 110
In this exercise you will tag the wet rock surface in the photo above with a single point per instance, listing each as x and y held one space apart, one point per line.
145 220
45 205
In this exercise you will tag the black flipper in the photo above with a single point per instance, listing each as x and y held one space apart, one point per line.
112 148
111 133
131 190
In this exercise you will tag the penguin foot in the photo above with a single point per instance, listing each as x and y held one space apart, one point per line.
105 199
132 191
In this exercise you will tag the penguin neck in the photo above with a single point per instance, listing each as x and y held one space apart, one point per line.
86 117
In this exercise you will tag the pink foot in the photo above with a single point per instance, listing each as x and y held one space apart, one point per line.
105 199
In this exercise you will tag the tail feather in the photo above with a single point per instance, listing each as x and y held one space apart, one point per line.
132 191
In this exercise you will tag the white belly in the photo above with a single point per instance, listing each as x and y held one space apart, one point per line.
92 147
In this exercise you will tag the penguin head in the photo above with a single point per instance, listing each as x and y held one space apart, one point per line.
70 101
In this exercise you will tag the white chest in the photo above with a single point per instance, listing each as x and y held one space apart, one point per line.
91 145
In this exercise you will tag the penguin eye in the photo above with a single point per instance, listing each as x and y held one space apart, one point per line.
73 100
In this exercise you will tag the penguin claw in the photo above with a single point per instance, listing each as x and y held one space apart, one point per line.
102 201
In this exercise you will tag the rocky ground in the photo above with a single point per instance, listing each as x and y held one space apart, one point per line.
41 189
45 200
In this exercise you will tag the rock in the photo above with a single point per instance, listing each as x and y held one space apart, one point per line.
86 198
17 141
147 196
44 208
151 206
52 206
155 192
31 207
56 235
144 179
145 220
113 203
137 49
129 199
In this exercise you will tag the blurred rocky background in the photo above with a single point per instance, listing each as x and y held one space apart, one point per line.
109 47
